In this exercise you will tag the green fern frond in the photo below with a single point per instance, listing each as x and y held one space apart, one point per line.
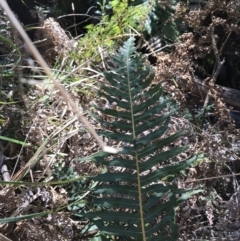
140 202
160 21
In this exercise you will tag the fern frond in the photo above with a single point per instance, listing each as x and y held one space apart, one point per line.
138 203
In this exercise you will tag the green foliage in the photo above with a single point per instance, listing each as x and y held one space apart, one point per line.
159 22
113 28
5 47
75 189
138 202
119 19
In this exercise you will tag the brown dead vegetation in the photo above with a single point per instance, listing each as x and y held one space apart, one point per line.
50 126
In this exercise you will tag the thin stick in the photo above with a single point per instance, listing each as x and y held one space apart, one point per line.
215 75
74 18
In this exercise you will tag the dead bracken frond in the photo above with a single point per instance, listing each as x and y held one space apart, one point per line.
53 41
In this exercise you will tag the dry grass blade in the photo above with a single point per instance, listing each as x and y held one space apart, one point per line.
39 152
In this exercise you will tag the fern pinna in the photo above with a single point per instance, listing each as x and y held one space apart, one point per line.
138 201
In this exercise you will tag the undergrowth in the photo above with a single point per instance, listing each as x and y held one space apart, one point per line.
135 196
56 144
112 30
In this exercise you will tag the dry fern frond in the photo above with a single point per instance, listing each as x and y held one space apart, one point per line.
54 42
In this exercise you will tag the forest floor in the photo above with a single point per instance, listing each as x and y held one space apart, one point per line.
43 136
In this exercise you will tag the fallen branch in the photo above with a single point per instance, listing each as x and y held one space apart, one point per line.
228 95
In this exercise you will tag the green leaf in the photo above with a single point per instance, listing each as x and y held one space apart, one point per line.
19 218
4 138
